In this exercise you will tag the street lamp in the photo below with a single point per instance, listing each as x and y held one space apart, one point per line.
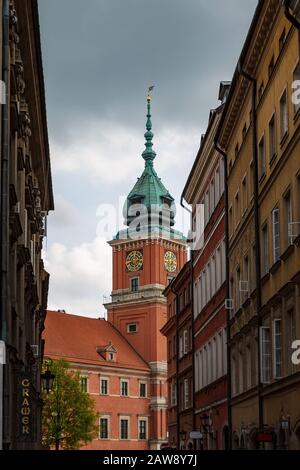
205 420
47 379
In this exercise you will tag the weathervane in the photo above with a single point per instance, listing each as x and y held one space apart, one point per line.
150 89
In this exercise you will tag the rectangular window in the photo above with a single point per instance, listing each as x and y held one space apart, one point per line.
218 268
142 429
291 337
186 394
284 122
261 158
276 235
277 350
103 428
272 138
104 386
206 208
208 357
251 177
224 339
213 276
124 388
265 250
223 261
230 221
217 186
238 292
222 176
212 198
288 219
265 349
214 359
132 328
173 394
180 346
185 341
143 389
237 209
124 428
134 284
244 195
208 287
84 384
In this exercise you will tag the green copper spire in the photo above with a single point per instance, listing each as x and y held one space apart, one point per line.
149 205
149 154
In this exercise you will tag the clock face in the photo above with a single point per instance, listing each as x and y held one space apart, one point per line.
134 261
170 261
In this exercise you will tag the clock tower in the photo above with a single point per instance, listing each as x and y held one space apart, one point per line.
147 254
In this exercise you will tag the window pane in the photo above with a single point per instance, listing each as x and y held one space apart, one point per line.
103 428
124 429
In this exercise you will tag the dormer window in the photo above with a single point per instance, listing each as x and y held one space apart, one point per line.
108 352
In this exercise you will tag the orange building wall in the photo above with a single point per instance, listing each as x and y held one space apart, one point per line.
114 406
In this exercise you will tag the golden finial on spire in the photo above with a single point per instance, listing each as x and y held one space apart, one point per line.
150 89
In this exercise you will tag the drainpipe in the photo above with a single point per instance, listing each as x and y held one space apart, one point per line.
192 320
257 234
177 372
286 6
224 154
4 200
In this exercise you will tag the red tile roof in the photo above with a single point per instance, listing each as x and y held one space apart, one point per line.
76 339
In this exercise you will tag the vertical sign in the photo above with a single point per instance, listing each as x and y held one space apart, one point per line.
26 414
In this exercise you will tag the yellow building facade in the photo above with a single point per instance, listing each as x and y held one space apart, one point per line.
259 133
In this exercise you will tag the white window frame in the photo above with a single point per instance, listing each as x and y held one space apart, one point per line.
265 355
124 418
132 332
142 418
186 394
217 185
180 346
107 417
185 341
284 114
135 278
213 275
107 380
277 349
124 381
276 234
85 376
142 382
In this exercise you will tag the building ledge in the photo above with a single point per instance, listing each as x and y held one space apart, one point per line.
286 254
265 278
275 267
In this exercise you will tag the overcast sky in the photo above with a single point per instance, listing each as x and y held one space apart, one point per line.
99 58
